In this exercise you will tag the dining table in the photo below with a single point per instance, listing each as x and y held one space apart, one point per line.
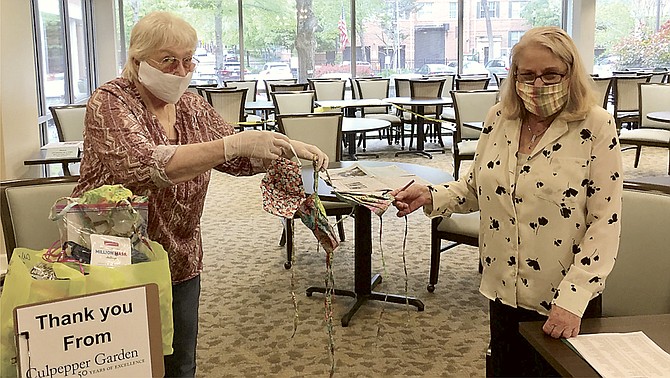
352 126
568 363
364 280
659 116
263 106
42 158
418 105
350 106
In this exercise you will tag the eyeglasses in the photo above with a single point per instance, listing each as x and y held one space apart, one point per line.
547 78
170 63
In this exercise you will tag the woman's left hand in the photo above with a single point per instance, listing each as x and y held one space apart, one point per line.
309 152
562 323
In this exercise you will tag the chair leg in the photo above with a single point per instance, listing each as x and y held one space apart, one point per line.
638 152
288 230
457 164
340 227
435 243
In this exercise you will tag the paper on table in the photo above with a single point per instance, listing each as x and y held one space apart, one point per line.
631 354
360 179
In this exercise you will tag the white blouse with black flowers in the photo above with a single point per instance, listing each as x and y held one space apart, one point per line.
550 233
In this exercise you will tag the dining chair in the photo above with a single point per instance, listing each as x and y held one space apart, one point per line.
448 82
658 77
251 86
200 89
378 88
456 229
626 99
25 205
602 86
639 283
327 89
469 106
293 102
428 88
323 130
229 103
402 90
653 97
268 88
471 83
192 88
500 78
69 122
293 87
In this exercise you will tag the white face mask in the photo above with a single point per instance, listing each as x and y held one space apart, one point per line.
167 87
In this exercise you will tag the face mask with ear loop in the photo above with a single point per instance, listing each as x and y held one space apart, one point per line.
543 101
165 86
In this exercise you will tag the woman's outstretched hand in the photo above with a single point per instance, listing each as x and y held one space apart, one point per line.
406 200
309 152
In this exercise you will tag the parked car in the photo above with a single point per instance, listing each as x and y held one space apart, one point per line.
470 67
205 79
499 67
275 71
231 71
433 69
361 65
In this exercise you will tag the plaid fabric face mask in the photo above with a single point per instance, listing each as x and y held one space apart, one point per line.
543 101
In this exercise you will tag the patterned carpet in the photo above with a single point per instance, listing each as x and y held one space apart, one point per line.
246 311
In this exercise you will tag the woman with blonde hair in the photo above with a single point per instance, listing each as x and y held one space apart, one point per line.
143 130
547 181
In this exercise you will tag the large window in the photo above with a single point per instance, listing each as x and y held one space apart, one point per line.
304 39
631 35
62 34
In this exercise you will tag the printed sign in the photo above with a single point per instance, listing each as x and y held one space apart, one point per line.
111 334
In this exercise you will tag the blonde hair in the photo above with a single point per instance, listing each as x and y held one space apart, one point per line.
155 31
581 97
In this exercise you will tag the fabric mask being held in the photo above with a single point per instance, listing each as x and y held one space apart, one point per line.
543 101
167 87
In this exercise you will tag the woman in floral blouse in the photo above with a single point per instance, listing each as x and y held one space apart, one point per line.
547 181
145 132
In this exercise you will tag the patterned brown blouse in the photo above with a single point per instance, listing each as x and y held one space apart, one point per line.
125 144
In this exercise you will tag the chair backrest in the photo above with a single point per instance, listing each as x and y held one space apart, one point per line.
293 102
229 103
402 87
373 89
499 78
639 284
448 82
25 207
69 120
193 88
471 106
658 77
200 89
431 88
625 92
268 89
602 86
251 86
323 130
654 97
471 83
328 89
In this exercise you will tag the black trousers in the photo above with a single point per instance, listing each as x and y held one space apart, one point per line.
511 354
185 303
